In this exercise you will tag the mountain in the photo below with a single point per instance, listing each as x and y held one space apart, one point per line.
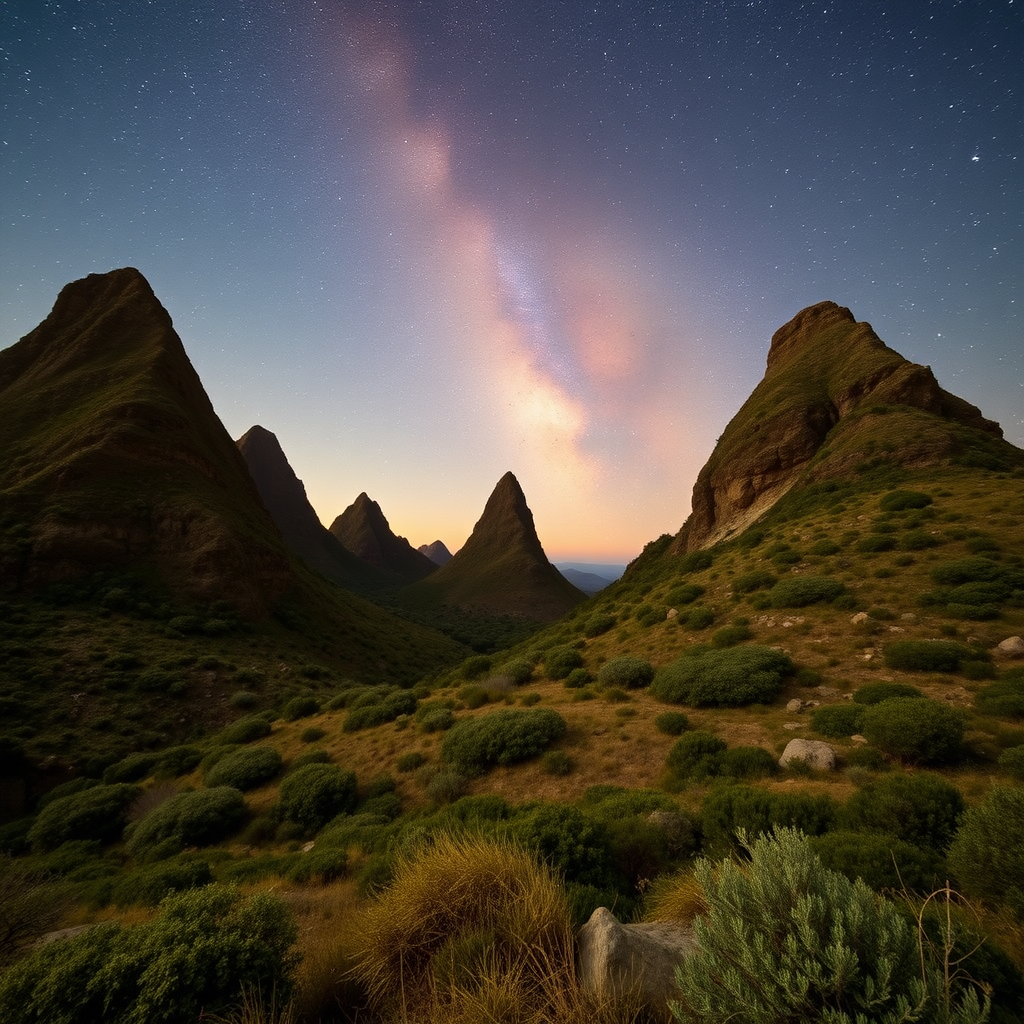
363 530
502 568
436 552
114 457
589 582
834 399
285 499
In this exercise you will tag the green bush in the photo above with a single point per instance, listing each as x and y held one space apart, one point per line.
598 624
731 677
626 671
173 762
576 679
784 939
698 617
560 661
696 756
918 540
672 723
386 709
901 501
916 730
973 570
684 594
729 636
824 547
99 813
475 667
1011 760
149 885
133 768
312 733
923 809
747 762
837 720
245 730
205 949
927 655
245 769
502 737
756 579
518 671
437 719
881 861
758 811
322 864
874 543
310 796
300 707
315 756
800 591
987 853
446 786
1005 697
566 839
557 762
875 693
186 819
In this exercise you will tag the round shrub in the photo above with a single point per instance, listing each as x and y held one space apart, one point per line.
207 948
411 761
923 809
475 666
918 540
875 693
503 737
312 733
927 655
437 719
1005 697
243 699
726 810
696 756
310 796
800 591
880 861
699 617
748 762
300 707
382 709
876 542
560 661
626 671
245 769
824 547
173 762
149 885
598 624
987 853
672 723
916 730
133 768
1012 760
756 579
684 594
900 501
567 839
98 813
245 730
446 786
729 636
837 720
187 819
730 677
518 671
576 679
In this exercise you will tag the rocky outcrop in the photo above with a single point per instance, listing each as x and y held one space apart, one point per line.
831 386
436 552
635 962
502 568
363 530
113 456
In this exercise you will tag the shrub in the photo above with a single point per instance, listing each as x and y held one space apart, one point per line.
475 667
567 840
245 730
882 861
756 579
785 939
672 723
699 617
922 809
310 796
1005 697
598 624
901 501
98 813
685 594
800 591
187 819
1012 760
696 756
557 762
204 949
463 917
473 696
437 719
502 737
576 679
173 762
875 693
312 733
745 762
876 542
518 671
386 709
917 540
730 677
757 811
824 547
626 671
315 756
915 729
927 655
245 769
322 864
149 885
243 699
446 786
729 636
987 852
133 768
560 661
837 720
300 707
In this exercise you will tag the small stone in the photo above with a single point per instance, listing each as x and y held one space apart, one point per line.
1011 647
908 617
859 618
858 739
795 706
671 613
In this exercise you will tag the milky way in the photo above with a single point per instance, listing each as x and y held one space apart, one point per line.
426 243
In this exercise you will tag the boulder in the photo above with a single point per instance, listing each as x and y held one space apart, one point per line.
1011 647
632 961
820 756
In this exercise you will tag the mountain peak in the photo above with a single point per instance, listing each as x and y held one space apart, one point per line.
363 530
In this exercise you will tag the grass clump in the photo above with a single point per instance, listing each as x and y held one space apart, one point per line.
875 693
916 730
731 677
244 769
1005 697
696 756
502 737
902 501
626 671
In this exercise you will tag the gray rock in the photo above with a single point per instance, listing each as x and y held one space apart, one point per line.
1011 647
632 961
795 706
820 756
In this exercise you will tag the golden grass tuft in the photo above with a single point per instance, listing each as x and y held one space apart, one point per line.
677 897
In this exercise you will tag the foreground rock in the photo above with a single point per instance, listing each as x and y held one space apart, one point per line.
632 961
820 756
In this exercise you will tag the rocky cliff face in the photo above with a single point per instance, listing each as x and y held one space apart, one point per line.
502 568
115 457
833 395
364 531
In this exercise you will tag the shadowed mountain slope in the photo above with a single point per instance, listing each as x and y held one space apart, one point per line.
285 498
437 552
834 397
502 568
363 530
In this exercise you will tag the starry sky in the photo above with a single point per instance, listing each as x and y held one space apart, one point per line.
425 243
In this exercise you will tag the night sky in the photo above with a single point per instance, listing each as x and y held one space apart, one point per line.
426 243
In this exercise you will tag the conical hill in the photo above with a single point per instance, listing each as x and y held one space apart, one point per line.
364 531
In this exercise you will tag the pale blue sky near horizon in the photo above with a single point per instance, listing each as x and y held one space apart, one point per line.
427 243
